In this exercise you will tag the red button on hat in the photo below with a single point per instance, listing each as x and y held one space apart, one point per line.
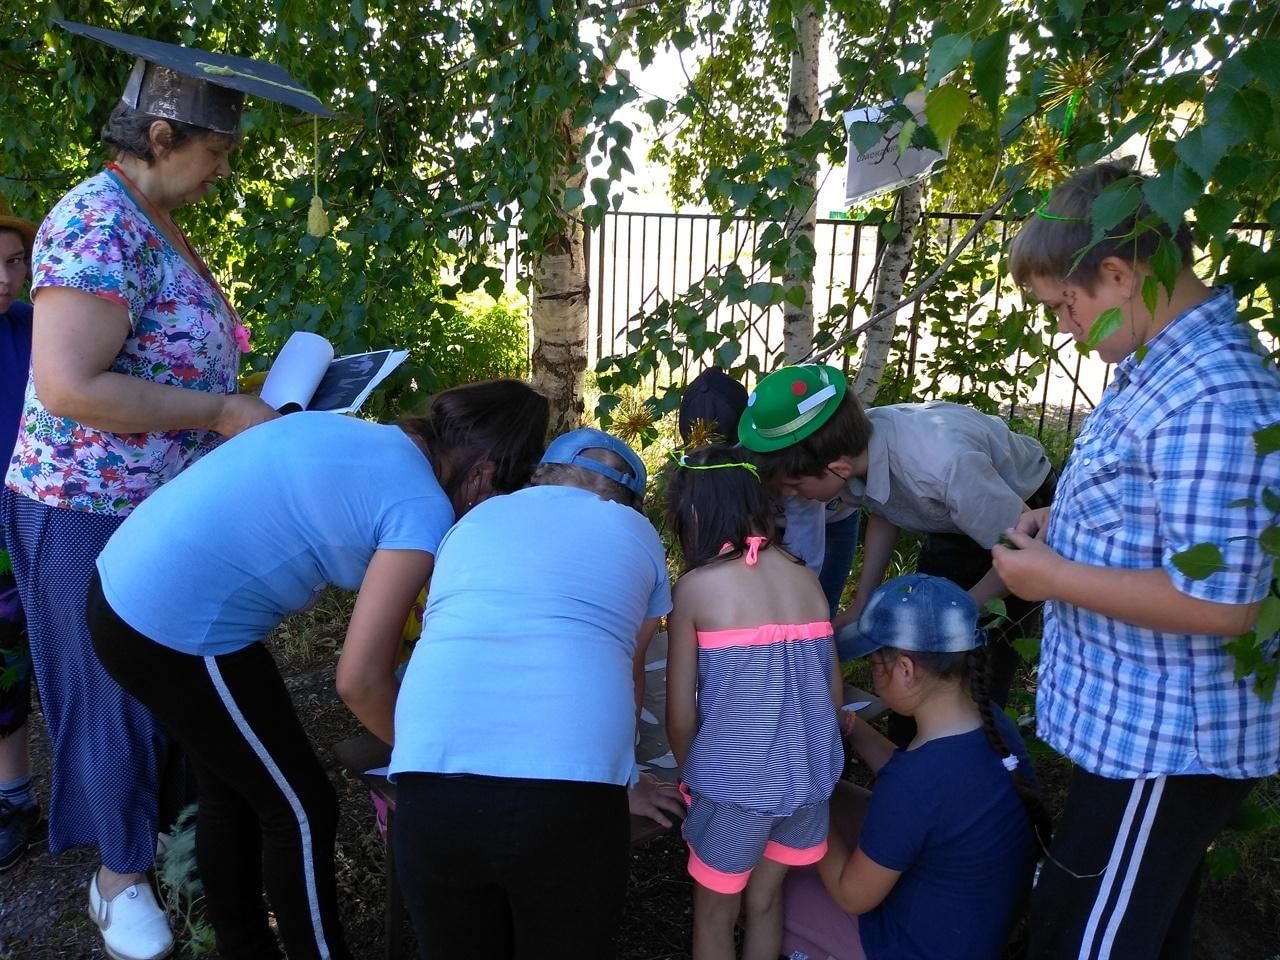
799 388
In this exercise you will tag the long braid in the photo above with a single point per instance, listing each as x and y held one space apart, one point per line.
979 673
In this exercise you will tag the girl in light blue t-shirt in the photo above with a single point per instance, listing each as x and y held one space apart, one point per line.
200 573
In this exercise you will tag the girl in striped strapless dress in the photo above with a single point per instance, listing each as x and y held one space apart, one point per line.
753 691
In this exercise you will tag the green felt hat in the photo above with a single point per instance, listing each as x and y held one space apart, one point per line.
789 405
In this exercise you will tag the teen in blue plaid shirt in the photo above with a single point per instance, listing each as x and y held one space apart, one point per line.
1135 685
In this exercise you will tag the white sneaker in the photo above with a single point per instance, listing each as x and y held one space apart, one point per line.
133 925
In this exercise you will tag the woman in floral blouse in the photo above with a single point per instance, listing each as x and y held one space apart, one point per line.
135 356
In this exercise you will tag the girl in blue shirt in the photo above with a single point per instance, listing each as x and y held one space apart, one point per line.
948 840
199 574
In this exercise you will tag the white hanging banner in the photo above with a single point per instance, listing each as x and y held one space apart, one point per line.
884 167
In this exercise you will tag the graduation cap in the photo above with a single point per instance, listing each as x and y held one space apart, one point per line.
195 86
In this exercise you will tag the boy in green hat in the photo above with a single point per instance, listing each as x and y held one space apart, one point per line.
958 476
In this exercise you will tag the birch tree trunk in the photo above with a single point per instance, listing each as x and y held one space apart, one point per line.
890 279
802 107
559 313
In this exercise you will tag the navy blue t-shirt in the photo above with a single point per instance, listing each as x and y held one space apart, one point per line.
946 815
15 359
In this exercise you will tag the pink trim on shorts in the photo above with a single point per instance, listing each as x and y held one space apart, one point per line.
716 880
793 857
765 634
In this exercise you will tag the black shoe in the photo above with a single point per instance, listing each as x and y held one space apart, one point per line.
18 831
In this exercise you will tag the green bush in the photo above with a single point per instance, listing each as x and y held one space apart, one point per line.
475 338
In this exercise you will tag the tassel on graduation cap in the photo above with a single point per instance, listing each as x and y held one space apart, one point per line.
317 219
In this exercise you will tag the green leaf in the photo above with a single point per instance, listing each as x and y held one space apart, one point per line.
1108 323
1271 500
1166 263
991 68
1203 147
1269 540
1199 562
1028 648
1267 440
573 198
741 194
944 108
905 134
1250 113
1215 214
996 607
1172 192
657 110
1150 291
1015 112
947 53
728 352
1262 56
779 178
865 135
890 230
1114 205
764 293
1268 618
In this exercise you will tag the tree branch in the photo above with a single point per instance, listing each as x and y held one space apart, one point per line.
923 287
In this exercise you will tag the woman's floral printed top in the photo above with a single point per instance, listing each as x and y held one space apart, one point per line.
182 333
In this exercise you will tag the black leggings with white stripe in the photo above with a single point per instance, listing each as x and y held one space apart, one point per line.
1123 874
268 813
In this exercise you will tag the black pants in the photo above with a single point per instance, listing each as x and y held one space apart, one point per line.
496 869
1123 874
268 815
964 562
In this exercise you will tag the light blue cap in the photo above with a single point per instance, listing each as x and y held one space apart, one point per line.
569 447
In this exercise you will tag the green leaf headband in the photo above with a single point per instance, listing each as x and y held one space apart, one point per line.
681 461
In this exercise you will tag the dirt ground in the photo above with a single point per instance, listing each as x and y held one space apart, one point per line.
43 901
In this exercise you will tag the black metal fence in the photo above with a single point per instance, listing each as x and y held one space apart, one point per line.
637 259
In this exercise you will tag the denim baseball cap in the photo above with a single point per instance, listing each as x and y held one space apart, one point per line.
568 448
916 612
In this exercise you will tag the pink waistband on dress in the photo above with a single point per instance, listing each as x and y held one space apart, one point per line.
765 634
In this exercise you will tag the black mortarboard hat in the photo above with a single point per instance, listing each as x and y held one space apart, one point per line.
197 87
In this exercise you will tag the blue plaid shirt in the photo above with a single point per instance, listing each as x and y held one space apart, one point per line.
1153 472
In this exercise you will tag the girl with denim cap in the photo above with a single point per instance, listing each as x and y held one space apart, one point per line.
950 831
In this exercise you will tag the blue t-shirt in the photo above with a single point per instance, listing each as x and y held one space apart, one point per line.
15 362
946 814
213 560
524 666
